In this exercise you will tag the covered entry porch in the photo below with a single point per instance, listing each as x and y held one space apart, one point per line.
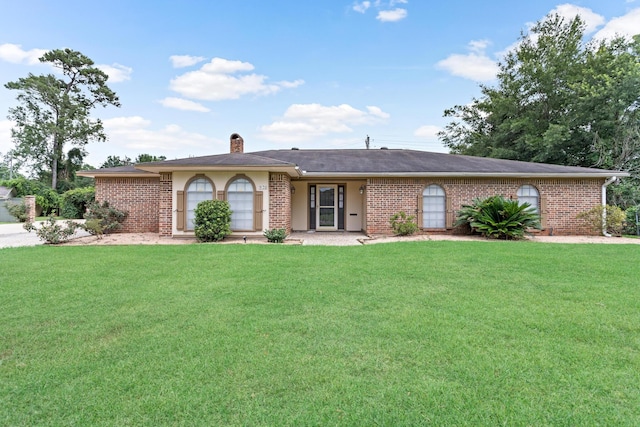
336 205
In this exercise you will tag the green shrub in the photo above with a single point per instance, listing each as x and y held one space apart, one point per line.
18 211
52 232
94 227
630 224
212 220
403 225
498 218
102 218
46 197
48 201
275 235
615 221
74 202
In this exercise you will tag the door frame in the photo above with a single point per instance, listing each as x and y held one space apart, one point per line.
313 202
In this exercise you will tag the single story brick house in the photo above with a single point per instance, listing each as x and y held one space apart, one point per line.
342 189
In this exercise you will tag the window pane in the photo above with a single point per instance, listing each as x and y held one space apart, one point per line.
529 194
327 217
240 198
433 207
327 196
198 190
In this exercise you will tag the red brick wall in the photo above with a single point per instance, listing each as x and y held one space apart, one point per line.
564 198
280 201
138 196
165 208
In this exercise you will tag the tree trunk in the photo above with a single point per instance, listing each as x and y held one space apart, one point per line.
54 172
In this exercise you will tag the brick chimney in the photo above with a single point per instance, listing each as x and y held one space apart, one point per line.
237 144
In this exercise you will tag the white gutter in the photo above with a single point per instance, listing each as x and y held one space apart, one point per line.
604 204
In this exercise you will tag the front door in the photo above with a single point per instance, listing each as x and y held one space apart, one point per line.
327 212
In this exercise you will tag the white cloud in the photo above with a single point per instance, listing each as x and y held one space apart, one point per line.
591 19
184 104
478 45
16 55
304 121
116 72
428 132
134 133
291 85
394 15
386 10
627 25
476 65
377 112
180 61
362 7
225 66
219 79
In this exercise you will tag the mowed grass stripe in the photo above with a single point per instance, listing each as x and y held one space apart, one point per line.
475 333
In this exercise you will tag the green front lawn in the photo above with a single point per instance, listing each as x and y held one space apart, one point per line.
416 333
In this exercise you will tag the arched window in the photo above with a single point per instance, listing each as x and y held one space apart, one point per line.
240 198
197 190
433 207
529 194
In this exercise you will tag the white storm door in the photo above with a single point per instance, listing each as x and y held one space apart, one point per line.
327 208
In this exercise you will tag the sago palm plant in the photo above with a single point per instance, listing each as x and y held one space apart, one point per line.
498 217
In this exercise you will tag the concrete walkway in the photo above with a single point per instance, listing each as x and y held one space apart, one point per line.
328 238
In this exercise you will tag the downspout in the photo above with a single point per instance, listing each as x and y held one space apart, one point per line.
604 204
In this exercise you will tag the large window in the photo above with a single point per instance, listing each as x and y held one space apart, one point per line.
240 198
198 190
433 207
529 194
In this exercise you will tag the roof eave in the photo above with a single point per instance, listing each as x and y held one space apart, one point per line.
118 174
293 171
603 174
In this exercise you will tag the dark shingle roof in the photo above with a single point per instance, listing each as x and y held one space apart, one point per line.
231 159
362 163
412 161
118 170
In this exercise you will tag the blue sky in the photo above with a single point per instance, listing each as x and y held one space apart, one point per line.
309 74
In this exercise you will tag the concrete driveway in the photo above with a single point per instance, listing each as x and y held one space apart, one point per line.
14 235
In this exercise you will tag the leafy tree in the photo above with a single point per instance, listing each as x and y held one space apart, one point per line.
46 198
115 161
145 158
557 100
56 111
5 171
